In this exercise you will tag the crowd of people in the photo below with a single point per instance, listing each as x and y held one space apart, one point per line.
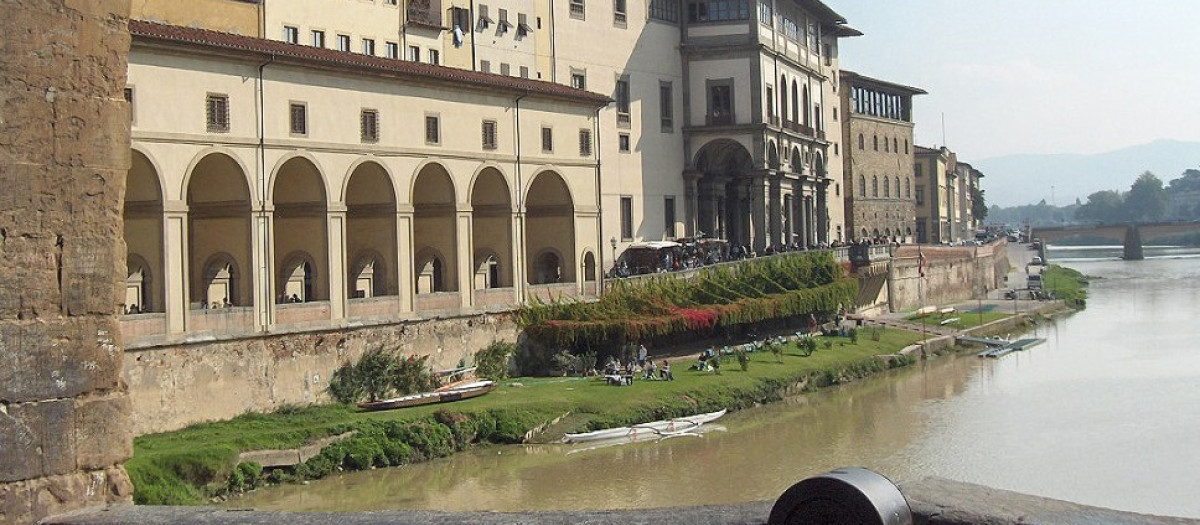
646 368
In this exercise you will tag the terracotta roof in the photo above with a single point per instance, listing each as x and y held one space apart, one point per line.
863 79
147 32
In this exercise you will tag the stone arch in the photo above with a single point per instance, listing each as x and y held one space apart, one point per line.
550 224
372 162
434 201
897 186
140 281
862 185
819 166
370 198
797 160
219 203
795 102
491 231
369 275
547 267
298 196
589 266
142 212
807 107
783 97
722 163
772 155
221 276
207 155
297 278
290 160
875 186
431 271
887 187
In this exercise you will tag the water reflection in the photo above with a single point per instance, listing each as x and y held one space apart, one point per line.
1105 413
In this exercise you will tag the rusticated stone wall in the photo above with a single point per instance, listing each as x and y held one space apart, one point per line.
952 274
263 373
64 147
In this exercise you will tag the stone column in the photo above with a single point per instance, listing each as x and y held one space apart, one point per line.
518 256
64 155
691 203
175 268
404 259
760 198
774 221
339 292
466 257
262 268
822 211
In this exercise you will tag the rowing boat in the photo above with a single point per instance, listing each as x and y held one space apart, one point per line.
464 391
663 427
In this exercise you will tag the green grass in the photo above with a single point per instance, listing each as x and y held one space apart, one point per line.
1067 284
190 465
966 319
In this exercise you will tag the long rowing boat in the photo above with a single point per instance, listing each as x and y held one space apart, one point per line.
463 391
663 427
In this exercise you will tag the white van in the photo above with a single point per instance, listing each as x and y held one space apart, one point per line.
1034 282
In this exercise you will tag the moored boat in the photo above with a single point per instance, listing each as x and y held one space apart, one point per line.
662 428
463 391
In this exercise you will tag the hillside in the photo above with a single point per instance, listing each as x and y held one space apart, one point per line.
1026 179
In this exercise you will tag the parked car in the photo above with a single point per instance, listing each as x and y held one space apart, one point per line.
1037 261
1034 282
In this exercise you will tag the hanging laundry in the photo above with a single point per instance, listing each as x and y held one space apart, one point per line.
458 36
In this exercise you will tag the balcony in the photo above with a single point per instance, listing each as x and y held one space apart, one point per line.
719 118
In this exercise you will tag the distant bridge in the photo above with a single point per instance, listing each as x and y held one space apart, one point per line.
1131 235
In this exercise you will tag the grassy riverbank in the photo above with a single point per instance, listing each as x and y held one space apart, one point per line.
1067 284
194 464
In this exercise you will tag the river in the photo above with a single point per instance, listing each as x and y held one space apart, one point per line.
1106 413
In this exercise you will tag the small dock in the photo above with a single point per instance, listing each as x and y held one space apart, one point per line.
982 340
1011 346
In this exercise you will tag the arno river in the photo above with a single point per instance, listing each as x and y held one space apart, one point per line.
1107 413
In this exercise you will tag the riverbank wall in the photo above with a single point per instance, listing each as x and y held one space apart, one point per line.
930 501
930 275
174 386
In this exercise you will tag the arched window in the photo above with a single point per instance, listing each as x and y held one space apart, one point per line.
862 186
861 143
908 188
431 275
864 233
887 191
875 186
783 107
368 276
807 121
220 281
906 146
895 145
298 275
885 144
897 186
795 101
875 138
547 268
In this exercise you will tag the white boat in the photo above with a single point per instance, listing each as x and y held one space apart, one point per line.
462 391
660 428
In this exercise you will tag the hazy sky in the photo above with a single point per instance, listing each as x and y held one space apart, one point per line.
1035 76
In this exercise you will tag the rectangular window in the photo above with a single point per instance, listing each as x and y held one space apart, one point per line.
503 25
619 12
129 94
433 132
318 38
522 25
585 142
623 142
368 46
524 72
435 57
547 140
489 134
217 113
917 170
627 218
720 102
369 126
291 35
392 50
505 69
700 11
669 216
765 15
485 66
577 9
484 19
665 10
343 43
414 53
460 19
578 78
920 196
298 118
621 95
666 106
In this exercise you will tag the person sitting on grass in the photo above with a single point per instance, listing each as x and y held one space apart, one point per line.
649 371
665 371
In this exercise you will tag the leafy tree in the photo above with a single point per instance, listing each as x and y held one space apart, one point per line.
1103 206
1189 181
978 204
1147 199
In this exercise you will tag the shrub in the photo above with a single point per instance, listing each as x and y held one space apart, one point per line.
378 374
853 335
807 345
493 361
743 360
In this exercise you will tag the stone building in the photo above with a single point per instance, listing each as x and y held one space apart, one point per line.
878 134
943 194
308 188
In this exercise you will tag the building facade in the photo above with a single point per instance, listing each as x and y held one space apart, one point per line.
278 187
944 189
879 158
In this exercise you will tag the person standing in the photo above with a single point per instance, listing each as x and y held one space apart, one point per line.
642 355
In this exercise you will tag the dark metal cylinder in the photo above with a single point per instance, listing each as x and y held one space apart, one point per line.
847 496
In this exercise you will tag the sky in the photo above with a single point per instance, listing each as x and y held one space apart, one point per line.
1035 76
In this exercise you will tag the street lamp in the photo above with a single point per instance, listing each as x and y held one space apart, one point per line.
613 242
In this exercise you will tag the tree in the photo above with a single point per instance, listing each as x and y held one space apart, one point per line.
1147 199
1103 206
1189 181
978 204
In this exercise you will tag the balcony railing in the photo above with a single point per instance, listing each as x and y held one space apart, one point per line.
720 119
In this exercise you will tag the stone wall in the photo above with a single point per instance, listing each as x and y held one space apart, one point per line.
263 373
952 274
64 146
